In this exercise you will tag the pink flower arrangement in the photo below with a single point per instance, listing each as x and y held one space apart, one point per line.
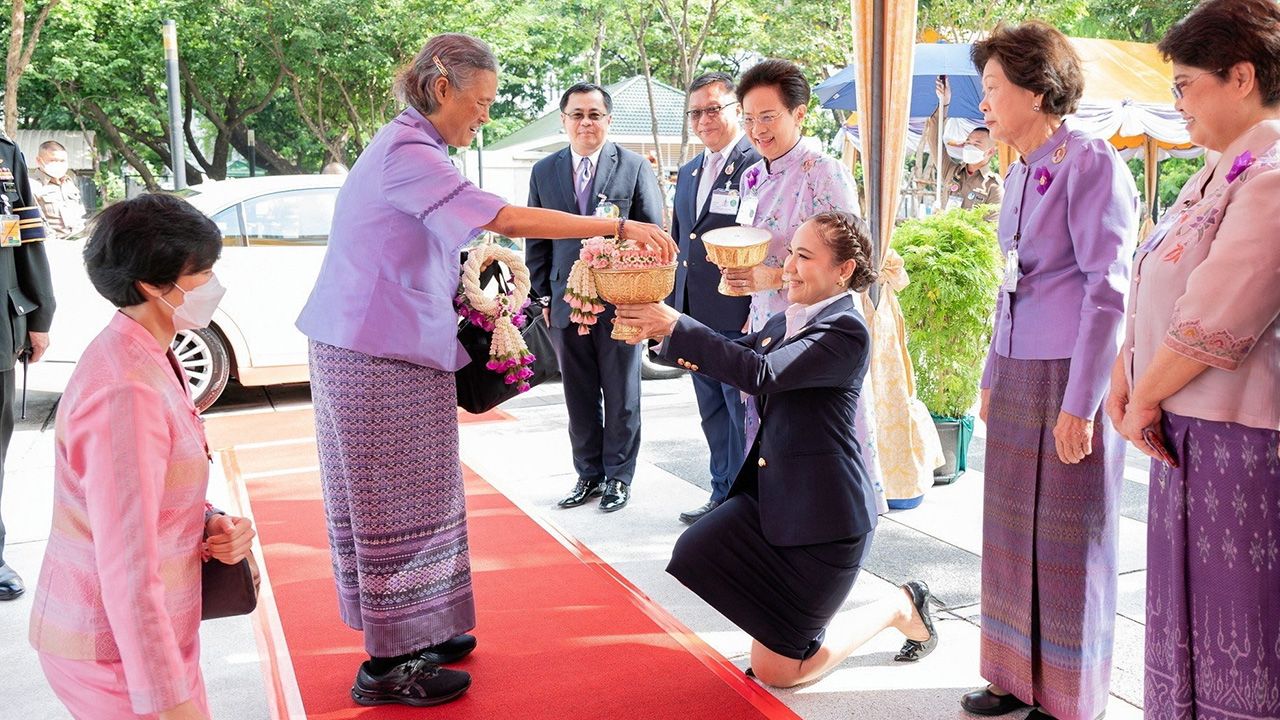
508 354
600 253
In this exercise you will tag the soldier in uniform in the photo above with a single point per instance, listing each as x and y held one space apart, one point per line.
970 180
27 292
55 191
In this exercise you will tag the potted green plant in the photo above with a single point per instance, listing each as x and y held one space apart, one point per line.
953 262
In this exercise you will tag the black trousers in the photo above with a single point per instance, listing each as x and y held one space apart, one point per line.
6 434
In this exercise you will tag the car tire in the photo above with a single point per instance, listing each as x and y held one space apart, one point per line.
650 369
203 355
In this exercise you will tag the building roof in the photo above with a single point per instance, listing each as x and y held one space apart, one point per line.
630 115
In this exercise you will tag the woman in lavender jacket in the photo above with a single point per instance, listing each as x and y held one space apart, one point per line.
1053 467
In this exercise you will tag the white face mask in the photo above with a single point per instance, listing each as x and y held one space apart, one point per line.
55 169
972 154
198 305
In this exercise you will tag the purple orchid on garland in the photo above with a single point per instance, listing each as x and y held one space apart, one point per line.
1242 163
1043 179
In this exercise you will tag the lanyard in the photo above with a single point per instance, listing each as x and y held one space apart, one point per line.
1022 205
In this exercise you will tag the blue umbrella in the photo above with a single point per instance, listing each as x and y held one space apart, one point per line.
839 92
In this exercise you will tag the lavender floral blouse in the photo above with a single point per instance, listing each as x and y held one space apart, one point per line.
1206 284
790 190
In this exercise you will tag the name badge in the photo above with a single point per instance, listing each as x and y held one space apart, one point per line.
954 202
10 235
607 209
724 202
1012 272
747 210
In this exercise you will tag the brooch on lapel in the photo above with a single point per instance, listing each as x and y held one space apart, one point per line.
1043 179
729 170
765 342
696 171
1242 163
1060 154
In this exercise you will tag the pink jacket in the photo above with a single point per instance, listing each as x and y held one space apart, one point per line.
1206 284
121 574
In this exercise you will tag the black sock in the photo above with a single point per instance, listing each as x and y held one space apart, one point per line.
380 665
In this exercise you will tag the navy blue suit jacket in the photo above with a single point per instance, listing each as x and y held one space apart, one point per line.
623 178
806 463
697 278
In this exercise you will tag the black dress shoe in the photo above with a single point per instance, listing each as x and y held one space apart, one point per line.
582 492
616 495
985 702
1038 714
449 651
11 587
913 650
693 516
415 682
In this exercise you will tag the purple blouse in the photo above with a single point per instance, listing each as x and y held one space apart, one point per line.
1071 207
389 275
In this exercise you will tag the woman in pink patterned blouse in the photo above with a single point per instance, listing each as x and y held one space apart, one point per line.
117 607
1197 381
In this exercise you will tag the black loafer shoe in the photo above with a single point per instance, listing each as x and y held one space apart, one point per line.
449 651
985 702
913 650
616 495
582 492
11 587
415 682
693 516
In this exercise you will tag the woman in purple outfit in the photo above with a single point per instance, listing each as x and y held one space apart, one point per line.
1053 473
1200 375
383 353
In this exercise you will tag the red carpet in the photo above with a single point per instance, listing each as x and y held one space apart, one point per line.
561 634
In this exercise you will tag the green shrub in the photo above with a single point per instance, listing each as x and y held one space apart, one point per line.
953 263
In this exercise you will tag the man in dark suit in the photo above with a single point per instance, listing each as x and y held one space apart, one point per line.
27 288
592 177
706 192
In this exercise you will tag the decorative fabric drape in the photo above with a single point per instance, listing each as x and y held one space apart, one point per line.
884 47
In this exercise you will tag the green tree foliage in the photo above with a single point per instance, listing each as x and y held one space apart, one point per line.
953 262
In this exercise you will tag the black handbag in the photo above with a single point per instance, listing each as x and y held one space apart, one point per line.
228 590
481 389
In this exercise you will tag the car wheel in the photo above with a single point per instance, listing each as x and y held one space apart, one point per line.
203 354
651 369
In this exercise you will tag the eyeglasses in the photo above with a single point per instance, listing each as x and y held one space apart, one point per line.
695 115
578 117
1179 88
763 121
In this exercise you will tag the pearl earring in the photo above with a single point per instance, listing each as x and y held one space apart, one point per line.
1036 107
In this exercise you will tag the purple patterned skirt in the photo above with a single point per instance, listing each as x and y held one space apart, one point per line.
1049 539
387 432
1213 574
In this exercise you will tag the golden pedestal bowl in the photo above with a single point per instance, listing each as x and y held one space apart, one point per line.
634 287
735 248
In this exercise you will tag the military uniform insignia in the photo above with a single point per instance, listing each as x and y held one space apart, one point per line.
6 173
1060 153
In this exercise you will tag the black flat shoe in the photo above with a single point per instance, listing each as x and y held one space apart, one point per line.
616 495
985 702
449 651
582 492
415 682
11 587
913 650
693 516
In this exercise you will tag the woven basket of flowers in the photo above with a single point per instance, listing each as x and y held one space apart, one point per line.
617 272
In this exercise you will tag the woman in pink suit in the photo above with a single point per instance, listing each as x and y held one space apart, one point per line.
117 606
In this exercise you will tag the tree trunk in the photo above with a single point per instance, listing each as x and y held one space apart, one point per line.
597 49
109 129
640 28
